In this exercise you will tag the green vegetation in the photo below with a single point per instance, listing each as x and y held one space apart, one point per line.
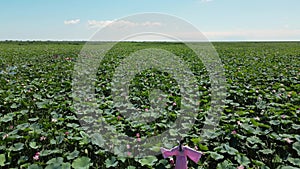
259 127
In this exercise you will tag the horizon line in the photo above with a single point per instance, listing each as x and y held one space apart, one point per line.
81 40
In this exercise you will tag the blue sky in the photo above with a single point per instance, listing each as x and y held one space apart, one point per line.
217 19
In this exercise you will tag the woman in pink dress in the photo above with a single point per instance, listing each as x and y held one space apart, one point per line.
181 153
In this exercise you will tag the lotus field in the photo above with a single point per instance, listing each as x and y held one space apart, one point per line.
259 125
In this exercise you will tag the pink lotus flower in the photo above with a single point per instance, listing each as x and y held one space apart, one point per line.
5 136
128 146
42 138
240 167
174 104
138 135
233 132
67 133
283 116
239 123
172 161
11 127
36 156
146 109
128 153
119 117
288 140
196 147
138 139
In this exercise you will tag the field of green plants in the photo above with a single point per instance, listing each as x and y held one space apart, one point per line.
259 127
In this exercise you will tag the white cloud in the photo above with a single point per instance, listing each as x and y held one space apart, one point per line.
120 23
98 24
150 24
72 22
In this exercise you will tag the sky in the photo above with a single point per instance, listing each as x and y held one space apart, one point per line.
218 20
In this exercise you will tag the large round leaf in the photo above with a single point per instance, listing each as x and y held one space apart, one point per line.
81 163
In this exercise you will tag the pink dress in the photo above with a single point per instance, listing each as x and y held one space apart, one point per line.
181 156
